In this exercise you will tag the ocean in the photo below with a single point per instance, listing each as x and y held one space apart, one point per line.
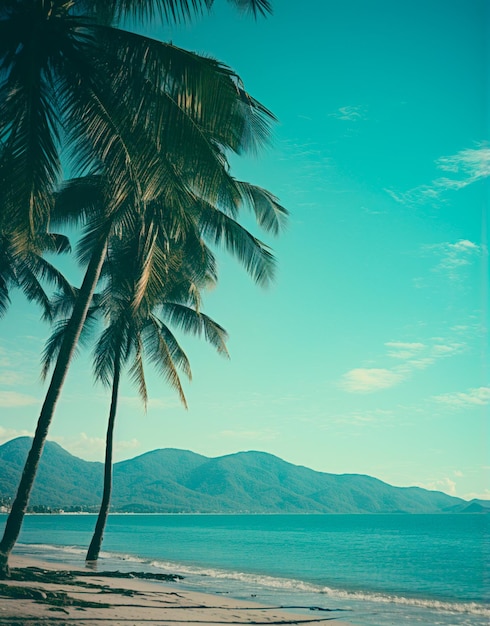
369 570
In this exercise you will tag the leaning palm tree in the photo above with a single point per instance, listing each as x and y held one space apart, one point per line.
171 298
145 115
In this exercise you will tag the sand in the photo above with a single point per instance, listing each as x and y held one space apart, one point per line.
88 598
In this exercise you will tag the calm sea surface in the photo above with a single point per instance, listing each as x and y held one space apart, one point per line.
375 570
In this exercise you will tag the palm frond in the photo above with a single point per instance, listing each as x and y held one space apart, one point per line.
147 244
166 354
29 129
256 7
108 346
55 340
32 288
253 254
52 347
270 215
191 94
46 271
4 297
78 199
193 322
170 11
137 371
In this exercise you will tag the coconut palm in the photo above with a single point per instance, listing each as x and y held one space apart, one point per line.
63 68
145 115
171 298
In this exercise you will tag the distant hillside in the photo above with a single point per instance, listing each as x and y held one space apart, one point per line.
174 481
62 477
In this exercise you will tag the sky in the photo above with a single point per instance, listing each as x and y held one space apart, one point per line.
369 354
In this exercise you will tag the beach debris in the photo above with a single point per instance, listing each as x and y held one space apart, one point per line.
42 596
143 575
31 574
59 599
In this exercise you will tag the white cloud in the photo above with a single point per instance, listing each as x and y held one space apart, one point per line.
366 380
6 434
410 355
443 350
483 495
471 165
132 444
454 256
12 399
447 485
404 350
466 167
421 364
472 398
349 113
93 448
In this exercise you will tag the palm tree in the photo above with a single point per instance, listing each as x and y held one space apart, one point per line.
171 297
145 115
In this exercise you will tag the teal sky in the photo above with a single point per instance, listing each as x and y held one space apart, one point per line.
370 353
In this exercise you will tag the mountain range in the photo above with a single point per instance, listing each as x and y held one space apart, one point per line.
180 481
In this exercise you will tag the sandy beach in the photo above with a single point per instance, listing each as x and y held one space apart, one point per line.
46 593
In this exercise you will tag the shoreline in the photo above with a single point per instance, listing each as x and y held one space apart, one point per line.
89 597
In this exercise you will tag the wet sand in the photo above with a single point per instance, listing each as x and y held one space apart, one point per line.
39 593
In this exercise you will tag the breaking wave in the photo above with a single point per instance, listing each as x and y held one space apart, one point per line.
204 577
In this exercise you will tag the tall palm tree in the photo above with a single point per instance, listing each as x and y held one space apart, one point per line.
144 114
171 298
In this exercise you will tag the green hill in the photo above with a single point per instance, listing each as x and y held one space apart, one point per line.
174 481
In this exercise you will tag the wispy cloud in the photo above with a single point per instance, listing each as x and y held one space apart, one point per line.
366 380
12 399
447 485
454 256
404 350
410 356
479 396
482 495
464 168
6 434
468 166
93 448
350 113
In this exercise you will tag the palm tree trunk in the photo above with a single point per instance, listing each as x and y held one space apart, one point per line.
75 325
96 543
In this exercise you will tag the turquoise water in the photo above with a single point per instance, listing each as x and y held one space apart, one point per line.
373 569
